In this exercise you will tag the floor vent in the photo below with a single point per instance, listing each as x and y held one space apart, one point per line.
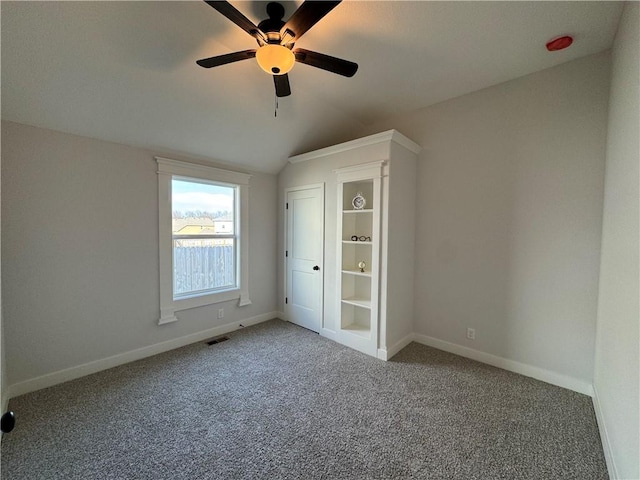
217 340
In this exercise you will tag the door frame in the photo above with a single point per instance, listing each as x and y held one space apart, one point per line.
286 244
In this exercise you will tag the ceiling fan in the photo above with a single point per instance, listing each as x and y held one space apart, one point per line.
276 39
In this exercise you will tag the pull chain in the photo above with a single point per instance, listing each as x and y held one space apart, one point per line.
275 112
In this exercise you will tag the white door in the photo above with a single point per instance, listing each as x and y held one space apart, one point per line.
304 256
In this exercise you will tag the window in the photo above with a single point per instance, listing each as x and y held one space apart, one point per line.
203 220
204 253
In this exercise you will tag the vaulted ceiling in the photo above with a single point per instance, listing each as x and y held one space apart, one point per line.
126 71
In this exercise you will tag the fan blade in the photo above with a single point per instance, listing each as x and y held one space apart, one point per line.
283 89
305 17
326 62
229 11
224 59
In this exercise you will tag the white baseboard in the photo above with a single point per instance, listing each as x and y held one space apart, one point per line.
78 371
388 353
324 332
330 334
280 315
72 373
604 437
547 376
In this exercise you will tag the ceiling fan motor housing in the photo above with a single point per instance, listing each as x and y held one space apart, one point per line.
272 25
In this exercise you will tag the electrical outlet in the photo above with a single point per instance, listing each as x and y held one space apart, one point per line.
221 313
471 333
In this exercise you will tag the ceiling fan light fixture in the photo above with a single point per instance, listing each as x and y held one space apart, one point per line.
275 59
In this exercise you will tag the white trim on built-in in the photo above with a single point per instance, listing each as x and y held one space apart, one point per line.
167 170
54 378
330 334
362 171
363 339
389 135
541 374
604 437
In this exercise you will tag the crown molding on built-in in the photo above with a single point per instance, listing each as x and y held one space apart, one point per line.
389 135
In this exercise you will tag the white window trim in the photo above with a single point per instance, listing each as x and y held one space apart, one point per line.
167 169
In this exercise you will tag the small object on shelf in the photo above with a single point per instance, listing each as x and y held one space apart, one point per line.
361 265
358 201
361 238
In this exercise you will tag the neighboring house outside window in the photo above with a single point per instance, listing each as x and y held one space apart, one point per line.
203 223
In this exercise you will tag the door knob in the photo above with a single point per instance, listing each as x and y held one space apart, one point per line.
316 267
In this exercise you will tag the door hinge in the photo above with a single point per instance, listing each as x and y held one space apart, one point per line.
286 300
286 253
287 207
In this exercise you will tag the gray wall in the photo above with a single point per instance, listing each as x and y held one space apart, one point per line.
617 359
510 186
80 252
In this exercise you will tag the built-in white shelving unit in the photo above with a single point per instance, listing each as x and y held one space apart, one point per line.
370 310
359 255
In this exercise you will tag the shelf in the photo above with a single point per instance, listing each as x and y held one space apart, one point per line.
358 273
356 329
358 291
358 302
364 210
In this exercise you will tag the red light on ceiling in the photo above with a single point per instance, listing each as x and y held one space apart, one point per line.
559 43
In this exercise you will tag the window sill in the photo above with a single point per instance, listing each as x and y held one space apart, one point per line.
168 316
186 303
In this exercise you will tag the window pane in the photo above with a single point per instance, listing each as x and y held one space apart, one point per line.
206 264
202 208
203 264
